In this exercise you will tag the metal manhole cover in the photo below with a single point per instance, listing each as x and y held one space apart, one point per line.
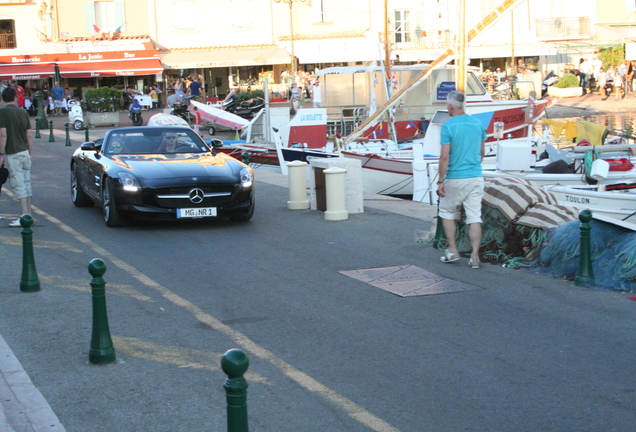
408 281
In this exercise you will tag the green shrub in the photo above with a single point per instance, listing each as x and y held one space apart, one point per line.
243 96
567 80
103 99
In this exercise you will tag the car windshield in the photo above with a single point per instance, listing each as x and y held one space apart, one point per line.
154 141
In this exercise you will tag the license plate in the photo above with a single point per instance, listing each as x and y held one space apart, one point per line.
196 212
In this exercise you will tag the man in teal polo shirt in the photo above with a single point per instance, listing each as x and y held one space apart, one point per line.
460 178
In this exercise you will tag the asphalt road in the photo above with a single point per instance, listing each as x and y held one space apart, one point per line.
524 352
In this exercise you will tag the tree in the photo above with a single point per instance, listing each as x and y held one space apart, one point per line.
612 56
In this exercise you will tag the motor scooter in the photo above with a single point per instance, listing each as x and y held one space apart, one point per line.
134 113
549 80
609 87
246 109
75 114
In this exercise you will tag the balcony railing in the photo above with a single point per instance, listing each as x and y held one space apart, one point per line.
7 40
563 28
421 39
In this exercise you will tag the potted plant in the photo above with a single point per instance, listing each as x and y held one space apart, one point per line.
103 106
567 86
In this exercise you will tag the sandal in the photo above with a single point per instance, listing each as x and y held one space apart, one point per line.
473 264
449 257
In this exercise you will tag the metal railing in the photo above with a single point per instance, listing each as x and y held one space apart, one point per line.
7 40
563 28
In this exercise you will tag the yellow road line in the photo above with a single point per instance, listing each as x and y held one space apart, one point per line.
17 241
83 285
354 410
177 356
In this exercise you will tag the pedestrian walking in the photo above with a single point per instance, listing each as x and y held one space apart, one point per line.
58 97
197 120
16 148
460 177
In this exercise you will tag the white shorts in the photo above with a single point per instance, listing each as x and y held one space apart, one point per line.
19 166
466 192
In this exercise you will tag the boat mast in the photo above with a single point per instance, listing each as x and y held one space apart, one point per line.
387 69
460 64
440 61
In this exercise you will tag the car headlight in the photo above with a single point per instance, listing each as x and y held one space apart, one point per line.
129 182
246 178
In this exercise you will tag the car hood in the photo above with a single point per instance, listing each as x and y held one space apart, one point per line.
155 167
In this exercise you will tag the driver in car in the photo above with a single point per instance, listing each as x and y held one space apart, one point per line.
168 143
118 145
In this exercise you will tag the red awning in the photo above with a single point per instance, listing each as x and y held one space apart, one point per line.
83 69
27 71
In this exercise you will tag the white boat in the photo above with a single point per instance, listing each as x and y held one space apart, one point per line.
618 204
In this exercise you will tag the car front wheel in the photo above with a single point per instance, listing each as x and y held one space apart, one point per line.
112 217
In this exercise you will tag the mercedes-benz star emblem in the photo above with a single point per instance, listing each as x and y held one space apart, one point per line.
196 195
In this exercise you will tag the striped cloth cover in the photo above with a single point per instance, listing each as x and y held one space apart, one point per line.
547 216
525 203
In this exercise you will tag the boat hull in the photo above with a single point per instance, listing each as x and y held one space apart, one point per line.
618 205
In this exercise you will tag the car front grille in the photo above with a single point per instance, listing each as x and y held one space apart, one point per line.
179 197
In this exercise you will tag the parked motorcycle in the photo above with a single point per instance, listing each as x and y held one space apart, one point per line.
182 109
75 114
134 113
246 109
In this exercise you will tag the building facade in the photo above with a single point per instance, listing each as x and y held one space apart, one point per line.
230 43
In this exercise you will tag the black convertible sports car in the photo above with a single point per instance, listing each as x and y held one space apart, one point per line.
165 172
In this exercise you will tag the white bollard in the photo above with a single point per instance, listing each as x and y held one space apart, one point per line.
335 190
297 186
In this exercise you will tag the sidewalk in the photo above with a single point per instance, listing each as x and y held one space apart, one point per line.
591 104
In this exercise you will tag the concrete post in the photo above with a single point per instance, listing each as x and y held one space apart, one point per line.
102 350
234 364
68 136
335 190
29 281
297 186
51 137
584 273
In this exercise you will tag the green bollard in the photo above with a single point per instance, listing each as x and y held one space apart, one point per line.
439 229
37 127
41 118
68 136
246 157
29 281
234 365
51 138
584 273
86 134
102 350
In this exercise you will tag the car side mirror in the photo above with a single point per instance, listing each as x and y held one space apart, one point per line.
216 143
89 146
